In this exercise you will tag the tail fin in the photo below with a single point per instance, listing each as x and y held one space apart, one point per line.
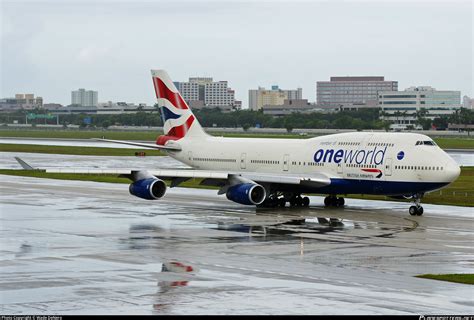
178 119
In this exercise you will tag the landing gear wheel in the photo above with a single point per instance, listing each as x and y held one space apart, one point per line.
305 202
419 211
282 202
333 201
340 202
327 201
299 201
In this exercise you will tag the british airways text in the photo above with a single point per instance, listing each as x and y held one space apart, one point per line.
360 156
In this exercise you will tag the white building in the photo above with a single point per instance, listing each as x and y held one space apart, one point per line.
276 96
210 93
401 107
85 98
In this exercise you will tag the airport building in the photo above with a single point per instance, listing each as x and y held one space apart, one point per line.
21 101
289 107
84 98
208 93
356 90
101 108
276 96
401 107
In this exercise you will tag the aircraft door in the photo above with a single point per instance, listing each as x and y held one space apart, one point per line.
388 167
339 167
190 156
243 157
286 162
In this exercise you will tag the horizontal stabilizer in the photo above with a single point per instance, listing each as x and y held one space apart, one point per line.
24 165
174 147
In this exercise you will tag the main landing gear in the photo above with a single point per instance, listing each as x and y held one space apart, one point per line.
417 209
334 201
280 200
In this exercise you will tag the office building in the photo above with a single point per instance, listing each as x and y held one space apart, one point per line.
401 107
340 91
276 96
84 98
211 93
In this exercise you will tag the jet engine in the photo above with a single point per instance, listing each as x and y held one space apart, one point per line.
149 189
246 193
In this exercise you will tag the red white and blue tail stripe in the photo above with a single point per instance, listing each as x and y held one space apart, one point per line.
178 119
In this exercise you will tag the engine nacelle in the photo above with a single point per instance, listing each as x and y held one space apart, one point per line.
149 189
247 193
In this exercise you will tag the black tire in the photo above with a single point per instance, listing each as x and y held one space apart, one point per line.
282 202
340 202
413 211
305 202
419 211
299 201
327 201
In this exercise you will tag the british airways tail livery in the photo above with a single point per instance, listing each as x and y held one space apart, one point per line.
274 172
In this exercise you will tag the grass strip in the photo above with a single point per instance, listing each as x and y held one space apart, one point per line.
83 151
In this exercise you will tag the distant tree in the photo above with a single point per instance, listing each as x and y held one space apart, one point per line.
421 118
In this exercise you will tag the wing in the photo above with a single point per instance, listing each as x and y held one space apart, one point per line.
209 178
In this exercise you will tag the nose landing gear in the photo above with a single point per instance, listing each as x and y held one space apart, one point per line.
417 209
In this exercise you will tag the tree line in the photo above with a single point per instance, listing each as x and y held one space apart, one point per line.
363 119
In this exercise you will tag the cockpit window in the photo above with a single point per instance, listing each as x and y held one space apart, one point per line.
426 143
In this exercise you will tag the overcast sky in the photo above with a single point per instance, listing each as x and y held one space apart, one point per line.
50 48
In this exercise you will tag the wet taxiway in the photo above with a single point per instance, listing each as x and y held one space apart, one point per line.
74 247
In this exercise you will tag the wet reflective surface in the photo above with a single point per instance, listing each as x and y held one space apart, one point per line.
90 248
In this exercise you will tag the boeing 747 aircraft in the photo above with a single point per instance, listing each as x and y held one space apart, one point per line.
274 172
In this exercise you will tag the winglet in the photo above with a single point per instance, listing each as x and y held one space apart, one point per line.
24 165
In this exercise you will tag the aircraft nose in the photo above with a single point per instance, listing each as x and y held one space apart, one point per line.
453 171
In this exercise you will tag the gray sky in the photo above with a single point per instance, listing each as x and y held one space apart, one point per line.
50 48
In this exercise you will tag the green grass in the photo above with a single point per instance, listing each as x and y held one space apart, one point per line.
459 193
83 151
446 143
467 278
455 143
81 134
261 135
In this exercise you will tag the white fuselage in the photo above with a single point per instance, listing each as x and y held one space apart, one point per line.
367 156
